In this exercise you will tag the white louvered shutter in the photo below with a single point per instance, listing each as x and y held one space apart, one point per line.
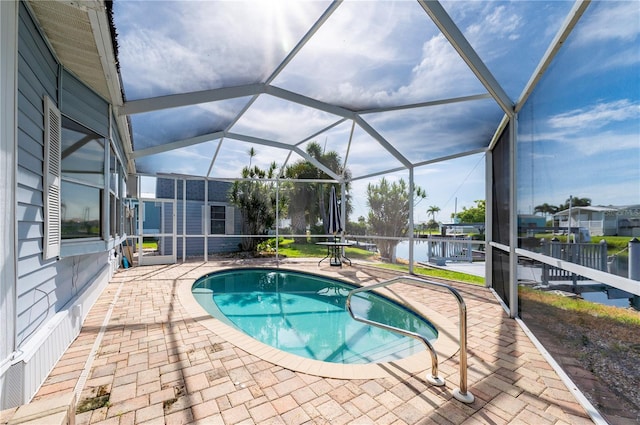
229 221
52 174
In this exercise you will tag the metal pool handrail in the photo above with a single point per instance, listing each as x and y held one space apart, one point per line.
461 393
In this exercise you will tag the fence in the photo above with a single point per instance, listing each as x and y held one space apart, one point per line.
585 254
441 250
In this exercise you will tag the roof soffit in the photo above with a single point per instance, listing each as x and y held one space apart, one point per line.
68 28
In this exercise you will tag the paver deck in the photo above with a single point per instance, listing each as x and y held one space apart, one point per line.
158 363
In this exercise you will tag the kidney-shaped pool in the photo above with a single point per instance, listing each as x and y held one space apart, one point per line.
305 315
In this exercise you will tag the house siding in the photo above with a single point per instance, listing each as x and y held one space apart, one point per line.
37 77
80 103
194 227
46 290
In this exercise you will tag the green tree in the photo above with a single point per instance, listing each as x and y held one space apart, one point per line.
432 211
389 212
474 214
252 154
575 202
309 201
358 228
545 209
432 224
256 200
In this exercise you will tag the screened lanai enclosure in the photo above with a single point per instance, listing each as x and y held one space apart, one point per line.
177 130
377 97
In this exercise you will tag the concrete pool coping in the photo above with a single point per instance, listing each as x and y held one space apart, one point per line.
446 345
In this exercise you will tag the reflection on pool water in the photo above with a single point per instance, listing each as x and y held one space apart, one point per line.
305 315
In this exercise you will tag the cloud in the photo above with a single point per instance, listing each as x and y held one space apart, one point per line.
369 54
234 156
275 119
611 20
178 47
494 23
596 116
191 160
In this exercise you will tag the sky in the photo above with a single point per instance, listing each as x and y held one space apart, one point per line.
582 125
579 131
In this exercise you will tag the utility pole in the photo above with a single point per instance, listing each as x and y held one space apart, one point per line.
569 220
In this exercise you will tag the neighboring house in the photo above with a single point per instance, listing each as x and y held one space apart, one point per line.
528 221
62 179
218 221
629 221
602 221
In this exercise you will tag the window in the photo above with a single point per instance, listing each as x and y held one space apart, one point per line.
218 220
116 194
83 181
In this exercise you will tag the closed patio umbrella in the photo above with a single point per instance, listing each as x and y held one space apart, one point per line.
335 222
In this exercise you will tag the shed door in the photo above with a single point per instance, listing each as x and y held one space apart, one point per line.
157 223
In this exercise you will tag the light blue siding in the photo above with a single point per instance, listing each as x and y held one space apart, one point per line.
37 70
44 287
194 223
82 104
36 64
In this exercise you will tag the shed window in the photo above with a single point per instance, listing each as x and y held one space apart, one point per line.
218 219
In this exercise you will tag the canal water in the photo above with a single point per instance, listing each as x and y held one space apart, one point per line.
618 266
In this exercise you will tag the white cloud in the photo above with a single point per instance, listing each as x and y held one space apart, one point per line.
275 119
178 47
613 20
596 116
494 23
602 143
440 73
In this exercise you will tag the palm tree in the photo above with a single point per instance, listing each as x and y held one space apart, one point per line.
432 211
574 201
252 153
545 209
308 201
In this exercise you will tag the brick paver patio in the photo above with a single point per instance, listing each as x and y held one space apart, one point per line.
157 364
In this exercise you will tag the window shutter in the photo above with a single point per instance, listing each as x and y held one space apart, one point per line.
52 165
229 220
205 218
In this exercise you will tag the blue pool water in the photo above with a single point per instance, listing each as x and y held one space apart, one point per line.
304 314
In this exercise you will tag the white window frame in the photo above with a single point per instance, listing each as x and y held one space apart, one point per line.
211 219
105 242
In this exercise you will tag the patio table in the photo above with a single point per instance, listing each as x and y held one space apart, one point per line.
334 252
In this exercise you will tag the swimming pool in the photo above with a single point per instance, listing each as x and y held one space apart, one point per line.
304 314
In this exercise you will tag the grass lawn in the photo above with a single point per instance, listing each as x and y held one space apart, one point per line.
615 244
433 272
597 345
579 306
150 245
292 249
